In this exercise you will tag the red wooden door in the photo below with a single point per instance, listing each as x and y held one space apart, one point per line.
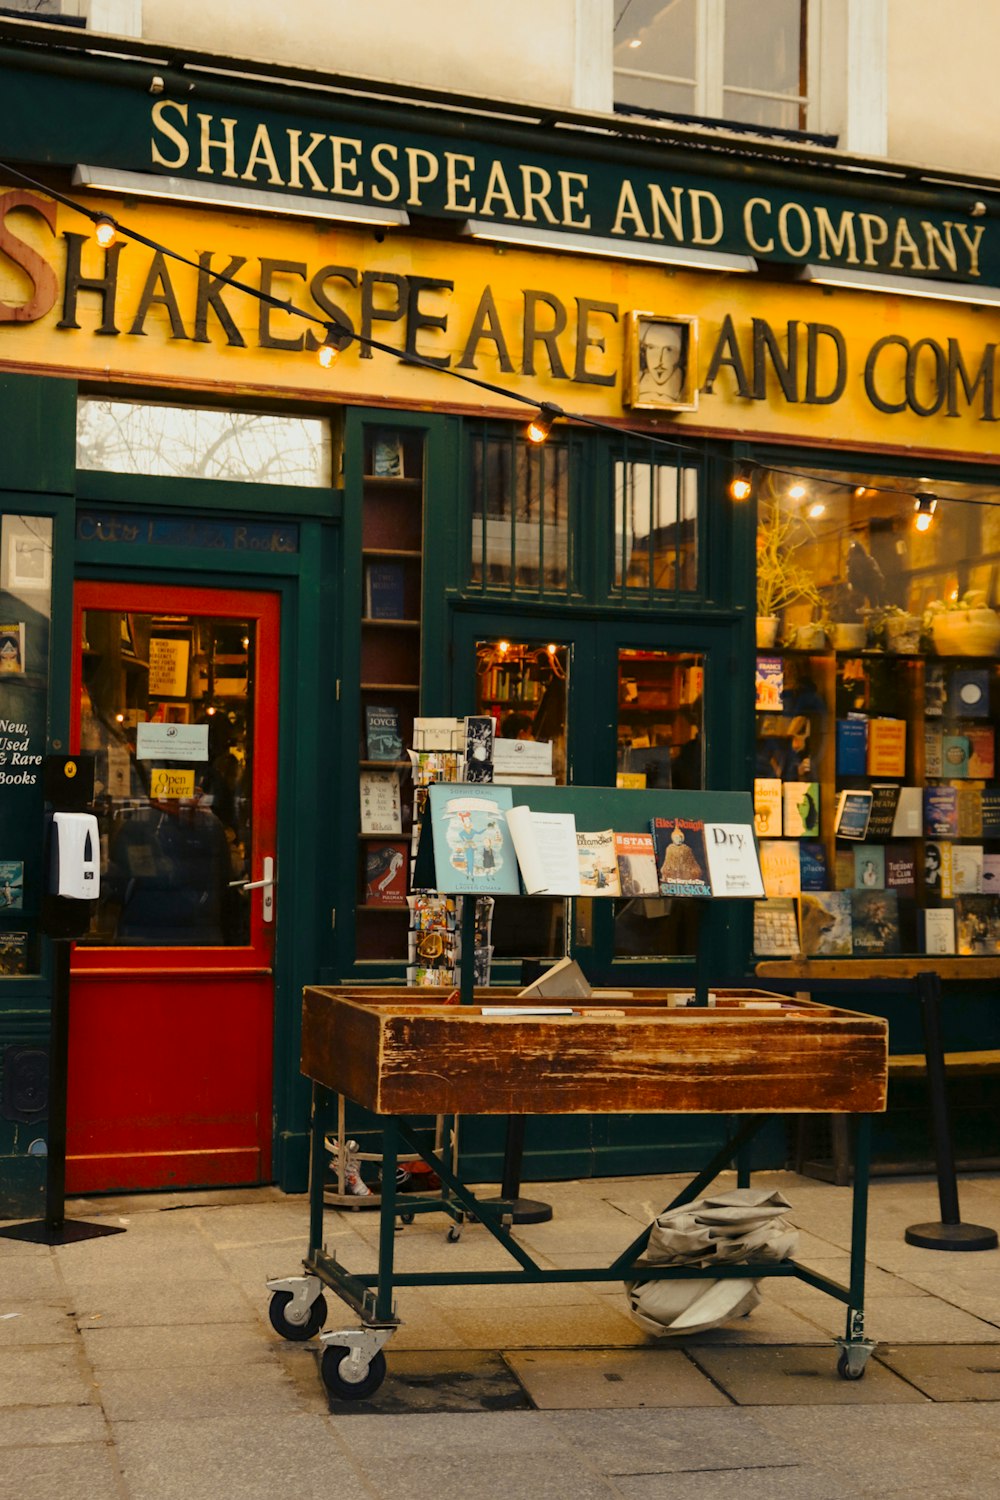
172 993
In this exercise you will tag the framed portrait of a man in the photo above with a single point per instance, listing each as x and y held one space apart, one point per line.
662 363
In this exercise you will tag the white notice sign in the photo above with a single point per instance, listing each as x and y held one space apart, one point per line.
171 742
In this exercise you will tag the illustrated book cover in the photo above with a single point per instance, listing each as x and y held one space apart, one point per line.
681 865
12 647
966 869
473 849
383 740
854 809
800 809
939 930
775 928
767 807
385 875
869 867
941 812
780 867
825 924
770 682
969 693
11 884
977 925
381 808
636 864
813 867
874 923
598 863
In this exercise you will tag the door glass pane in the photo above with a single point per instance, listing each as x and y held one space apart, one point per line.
524 685
167 710
661 743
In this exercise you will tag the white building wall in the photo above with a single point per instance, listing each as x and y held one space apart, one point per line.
517 49
942 78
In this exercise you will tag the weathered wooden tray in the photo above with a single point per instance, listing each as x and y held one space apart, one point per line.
399 1052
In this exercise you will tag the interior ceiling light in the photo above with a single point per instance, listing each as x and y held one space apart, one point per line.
529 237
797 491
816 510
901 286
541 423
223 194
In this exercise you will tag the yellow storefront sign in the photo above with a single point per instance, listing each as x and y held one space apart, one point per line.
773 359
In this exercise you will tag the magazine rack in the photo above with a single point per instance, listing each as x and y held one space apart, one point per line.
742 1053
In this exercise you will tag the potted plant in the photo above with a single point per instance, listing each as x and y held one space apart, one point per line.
846 612
963 627
781 581
896 630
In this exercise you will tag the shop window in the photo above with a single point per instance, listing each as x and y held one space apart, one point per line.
877 798
25 612
723 59
520 514
130 437
656 528
63 12
660 744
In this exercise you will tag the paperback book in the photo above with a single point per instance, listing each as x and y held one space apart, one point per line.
598 864
970 812
909 820
977 925
767 807
813 868
11 884
933 750
955 750
901 870
969 693
473 848
384 585
991 873
990 807
875 923
385 875
854 809
770 682
679 847
381 808
939 930
775 928
636 864
937 871
733 869
546 848
383 740
967 869
13 952
780 867
852 745
982 751
12 647
869 867
800 809
825 924
886 747
885 800
941 812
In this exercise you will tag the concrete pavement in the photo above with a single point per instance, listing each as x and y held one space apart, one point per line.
141 1366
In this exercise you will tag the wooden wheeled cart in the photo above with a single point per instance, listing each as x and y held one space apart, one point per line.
405 1054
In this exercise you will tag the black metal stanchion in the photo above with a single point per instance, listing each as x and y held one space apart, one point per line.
69 787
523 1210
949 1233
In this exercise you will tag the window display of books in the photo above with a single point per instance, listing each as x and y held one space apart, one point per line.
898 756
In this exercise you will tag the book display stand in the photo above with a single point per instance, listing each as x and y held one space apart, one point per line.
742 1053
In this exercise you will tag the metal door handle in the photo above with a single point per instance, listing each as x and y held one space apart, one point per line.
266 884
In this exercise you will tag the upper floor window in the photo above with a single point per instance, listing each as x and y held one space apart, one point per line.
66 12
740 60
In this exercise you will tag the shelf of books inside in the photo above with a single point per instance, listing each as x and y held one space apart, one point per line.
660 719
877 805
391 542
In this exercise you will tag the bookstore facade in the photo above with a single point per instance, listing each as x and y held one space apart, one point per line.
246 582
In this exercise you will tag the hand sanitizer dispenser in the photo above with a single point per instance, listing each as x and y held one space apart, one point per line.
75 856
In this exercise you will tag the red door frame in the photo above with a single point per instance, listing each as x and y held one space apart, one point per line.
171 1047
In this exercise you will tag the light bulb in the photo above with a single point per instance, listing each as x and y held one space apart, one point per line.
105 232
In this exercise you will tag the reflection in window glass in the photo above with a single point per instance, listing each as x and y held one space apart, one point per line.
660 744
520 513
129 437
25 612
175 834
765 66
655 54
656 527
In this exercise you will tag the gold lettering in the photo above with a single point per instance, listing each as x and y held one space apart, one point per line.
486 325
415 155
673 215
297 158
539 195
458 182
784 213
698 197
762 247
972 245
936 245
345 165
262 153
832 241
171 132
904 244
498 187
226 144
874 232
572 200
385 195
628 208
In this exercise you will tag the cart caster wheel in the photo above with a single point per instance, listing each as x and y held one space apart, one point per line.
407 1218
845 1372
337 1355
295 1331
454 1234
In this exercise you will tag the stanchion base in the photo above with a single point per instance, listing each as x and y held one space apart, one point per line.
526 1210
40 1233
951 1237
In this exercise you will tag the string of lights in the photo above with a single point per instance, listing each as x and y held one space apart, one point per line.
338 336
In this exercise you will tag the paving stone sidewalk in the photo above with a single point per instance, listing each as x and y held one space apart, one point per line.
142 1366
